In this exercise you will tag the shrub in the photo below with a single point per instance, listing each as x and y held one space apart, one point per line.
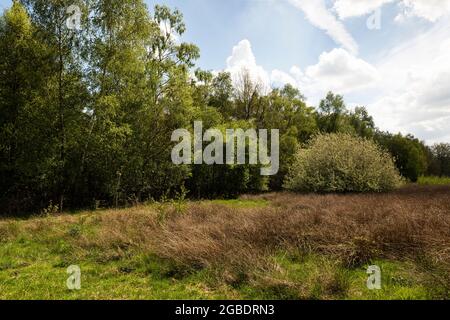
342 163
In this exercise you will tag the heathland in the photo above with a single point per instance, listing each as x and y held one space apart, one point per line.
270 246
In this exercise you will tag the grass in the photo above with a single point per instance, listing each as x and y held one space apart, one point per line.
284 246
243 203
434 181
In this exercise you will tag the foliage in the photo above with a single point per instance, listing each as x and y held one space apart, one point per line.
342 163
409 154
86 115
440 160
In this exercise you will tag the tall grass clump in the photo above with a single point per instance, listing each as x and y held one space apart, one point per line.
342 163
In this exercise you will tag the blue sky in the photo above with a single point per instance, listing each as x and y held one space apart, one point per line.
280 35
400 70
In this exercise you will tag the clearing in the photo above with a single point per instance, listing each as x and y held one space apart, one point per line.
272 246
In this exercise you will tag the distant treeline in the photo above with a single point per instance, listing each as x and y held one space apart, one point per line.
86 115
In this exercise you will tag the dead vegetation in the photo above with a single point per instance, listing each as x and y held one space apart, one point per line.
353 228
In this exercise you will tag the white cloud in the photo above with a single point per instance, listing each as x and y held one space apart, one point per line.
319 15
355 8
415 90
337 70
242 54
280 78
431 10
297 73
342 72
242 60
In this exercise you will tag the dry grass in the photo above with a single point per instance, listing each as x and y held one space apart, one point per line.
408 224
238 243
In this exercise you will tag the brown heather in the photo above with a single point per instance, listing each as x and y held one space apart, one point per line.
411 223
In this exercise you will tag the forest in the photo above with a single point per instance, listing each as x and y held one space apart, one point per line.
86 115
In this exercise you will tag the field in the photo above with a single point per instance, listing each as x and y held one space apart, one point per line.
434 181
272 246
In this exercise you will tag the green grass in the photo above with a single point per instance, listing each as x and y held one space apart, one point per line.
242 203
30 271
434 181
316 277
35 253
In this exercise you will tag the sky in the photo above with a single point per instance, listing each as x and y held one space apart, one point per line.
392 56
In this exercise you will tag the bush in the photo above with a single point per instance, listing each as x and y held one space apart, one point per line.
342 163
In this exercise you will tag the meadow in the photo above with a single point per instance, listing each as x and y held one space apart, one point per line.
269 246
433 181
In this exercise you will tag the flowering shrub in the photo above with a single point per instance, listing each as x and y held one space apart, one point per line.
342 163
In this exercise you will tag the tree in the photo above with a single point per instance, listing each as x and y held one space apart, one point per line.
409 154
26 160
228 180
286 110
169 103
248 94
362 122
333 115
440 159
221 96
116 74
67 91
